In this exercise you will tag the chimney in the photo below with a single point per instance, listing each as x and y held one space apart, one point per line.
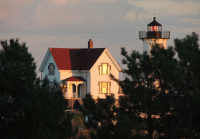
90 44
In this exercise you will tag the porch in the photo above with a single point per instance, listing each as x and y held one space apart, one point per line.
76 87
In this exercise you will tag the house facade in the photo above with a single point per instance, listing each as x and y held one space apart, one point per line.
84 70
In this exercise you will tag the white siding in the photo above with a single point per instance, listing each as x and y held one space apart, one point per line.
68 73
96 77
147 44
91 76
46 72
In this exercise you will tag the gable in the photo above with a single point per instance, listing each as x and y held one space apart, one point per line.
107 57
113 60
46 57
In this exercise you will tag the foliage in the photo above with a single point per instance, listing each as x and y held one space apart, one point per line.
28 108
79 119
160 94
184 94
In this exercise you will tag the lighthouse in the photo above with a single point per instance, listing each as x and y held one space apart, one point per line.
153 35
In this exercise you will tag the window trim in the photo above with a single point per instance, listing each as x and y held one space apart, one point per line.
101 69
108 89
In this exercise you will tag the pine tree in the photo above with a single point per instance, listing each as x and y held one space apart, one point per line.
185 90
144 89
161 95
28 109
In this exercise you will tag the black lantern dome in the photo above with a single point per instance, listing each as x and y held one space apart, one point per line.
154 30
154 26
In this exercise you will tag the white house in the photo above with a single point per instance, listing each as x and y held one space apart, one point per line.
84 70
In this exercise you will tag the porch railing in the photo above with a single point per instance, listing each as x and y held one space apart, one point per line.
74 95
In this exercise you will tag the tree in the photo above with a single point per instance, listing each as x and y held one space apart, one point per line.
165 86
144 89
105 112
185 91
28 108
140 109
160 94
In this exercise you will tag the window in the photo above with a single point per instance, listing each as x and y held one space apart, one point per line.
51 69
51 84
104 87
104 68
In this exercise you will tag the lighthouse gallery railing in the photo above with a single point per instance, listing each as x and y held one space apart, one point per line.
154 34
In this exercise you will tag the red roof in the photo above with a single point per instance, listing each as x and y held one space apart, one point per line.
74 78
75 59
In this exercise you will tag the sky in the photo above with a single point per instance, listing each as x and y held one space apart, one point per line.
109 23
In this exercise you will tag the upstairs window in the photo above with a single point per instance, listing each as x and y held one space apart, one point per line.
104 87
51 69
104 68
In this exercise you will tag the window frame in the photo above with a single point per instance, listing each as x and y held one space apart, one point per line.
51 71
107 70
108 87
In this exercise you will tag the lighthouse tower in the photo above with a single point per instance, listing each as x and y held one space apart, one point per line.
154 35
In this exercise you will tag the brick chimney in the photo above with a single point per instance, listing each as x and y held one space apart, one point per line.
90 44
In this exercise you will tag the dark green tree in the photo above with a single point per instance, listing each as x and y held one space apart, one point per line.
145 91
166 85
184 93
144 102
28 108
161 97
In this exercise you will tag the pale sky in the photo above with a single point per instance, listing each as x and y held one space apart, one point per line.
109 23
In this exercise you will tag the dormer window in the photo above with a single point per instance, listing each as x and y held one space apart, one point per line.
104 68
51 69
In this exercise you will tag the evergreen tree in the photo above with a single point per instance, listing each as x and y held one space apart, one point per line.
160 94
28 109
144 90
184 93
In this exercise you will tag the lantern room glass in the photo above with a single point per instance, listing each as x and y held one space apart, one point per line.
154 28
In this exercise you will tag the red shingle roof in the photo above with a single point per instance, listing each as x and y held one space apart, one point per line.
75 59
74 78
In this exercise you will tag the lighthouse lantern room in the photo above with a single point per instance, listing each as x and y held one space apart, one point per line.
154 35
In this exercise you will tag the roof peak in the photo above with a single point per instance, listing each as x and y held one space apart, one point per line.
154 22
